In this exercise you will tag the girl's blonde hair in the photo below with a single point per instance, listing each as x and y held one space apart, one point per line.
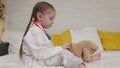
39 7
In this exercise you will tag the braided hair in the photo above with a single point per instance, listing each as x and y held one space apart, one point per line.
39 7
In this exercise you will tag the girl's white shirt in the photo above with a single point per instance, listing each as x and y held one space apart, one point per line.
38 50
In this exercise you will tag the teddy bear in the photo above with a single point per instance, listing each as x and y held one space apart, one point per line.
84 49
2 12
2 20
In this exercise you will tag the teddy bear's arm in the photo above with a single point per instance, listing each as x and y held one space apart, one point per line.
86 54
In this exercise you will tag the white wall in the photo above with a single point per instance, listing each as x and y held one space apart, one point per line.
75 14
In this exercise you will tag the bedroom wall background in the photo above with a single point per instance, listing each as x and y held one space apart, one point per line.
75 14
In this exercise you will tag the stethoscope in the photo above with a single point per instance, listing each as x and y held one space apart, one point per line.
37 24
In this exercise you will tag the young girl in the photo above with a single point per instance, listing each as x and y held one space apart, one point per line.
36 49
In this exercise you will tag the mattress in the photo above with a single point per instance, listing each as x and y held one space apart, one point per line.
109 59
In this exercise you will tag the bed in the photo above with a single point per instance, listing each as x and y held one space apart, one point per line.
109 59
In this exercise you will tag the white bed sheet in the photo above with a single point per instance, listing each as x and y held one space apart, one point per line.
109 59
10 61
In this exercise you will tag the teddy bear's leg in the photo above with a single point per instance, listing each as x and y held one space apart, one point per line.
86 55
95 57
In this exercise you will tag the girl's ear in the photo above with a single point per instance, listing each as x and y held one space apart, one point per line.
39 16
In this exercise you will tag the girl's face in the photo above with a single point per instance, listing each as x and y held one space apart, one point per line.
47 19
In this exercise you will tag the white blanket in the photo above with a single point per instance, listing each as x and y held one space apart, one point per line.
109 59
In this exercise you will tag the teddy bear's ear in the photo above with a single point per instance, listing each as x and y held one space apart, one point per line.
86 54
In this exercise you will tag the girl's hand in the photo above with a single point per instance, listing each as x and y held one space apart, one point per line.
67 46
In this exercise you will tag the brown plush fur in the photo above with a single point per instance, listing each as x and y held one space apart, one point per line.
84 49
2 20
2 12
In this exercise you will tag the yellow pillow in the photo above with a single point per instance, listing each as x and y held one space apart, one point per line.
110 40
60 39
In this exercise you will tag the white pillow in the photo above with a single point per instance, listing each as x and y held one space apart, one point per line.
89 33
14 38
